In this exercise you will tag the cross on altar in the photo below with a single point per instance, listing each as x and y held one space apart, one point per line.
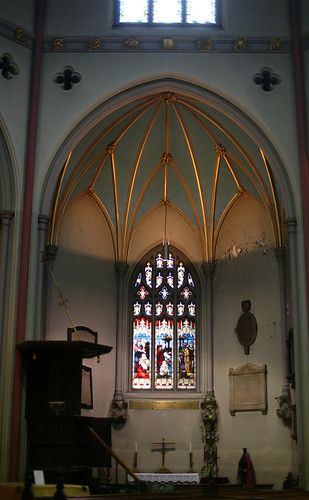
164 447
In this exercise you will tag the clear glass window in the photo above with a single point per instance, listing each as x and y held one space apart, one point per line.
177 12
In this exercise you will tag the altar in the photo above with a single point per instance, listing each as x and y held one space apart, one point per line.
165 482
190 477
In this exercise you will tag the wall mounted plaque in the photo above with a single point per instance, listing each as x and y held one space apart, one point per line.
248 390
246 328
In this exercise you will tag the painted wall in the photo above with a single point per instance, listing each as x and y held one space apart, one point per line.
84 265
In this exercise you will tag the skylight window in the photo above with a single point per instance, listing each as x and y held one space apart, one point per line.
177 12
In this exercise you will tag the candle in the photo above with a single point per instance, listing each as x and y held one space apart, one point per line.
190 447
135 447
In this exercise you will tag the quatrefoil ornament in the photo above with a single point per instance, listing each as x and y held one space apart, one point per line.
7 67
266 79
68 78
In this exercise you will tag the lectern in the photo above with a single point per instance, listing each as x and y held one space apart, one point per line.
59 439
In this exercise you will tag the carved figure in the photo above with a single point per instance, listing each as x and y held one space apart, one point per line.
119 411
245 471
209 409
284 411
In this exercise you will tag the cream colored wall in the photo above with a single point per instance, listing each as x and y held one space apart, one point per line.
84 269
250 274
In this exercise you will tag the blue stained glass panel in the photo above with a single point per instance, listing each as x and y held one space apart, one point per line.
141 375
180 275
164 293
186 375
148 274
190 280
138 279
163 324
159 261
137 308
164 354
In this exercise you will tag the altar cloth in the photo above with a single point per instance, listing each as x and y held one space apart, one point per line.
190 477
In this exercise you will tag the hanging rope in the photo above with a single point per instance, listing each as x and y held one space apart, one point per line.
63 300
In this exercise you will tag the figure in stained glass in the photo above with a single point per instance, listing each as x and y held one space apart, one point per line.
148 309
138 350
164 356
148 274
191 356
170 261
170 308
180 275
159 280
136 308
141 353
159 261
170 280
191 309
164 293
159 308
180 309
142 366
184 359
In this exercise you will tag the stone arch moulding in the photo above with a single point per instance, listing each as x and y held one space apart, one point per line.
190 89
8 179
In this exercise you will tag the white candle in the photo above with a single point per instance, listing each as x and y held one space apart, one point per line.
190 447
135 447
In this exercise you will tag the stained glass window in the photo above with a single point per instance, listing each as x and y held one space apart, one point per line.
164 330
168 12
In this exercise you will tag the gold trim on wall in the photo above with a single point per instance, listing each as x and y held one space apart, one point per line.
164 405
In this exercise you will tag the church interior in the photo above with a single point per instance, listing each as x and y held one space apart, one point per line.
154 243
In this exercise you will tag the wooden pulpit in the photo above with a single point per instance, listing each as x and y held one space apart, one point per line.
59 439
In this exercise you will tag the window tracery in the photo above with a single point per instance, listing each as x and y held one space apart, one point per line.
164 325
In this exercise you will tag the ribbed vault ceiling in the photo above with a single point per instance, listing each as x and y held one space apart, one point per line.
172 150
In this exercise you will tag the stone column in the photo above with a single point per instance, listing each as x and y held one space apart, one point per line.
50 254
280 254
43 221
119 406
291 225
5 218
208 269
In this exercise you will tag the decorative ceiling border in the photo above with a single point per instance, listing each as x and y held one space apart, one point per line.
151 43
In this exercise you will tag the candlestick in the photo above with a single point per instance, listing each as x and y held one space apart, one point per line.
135 462
191 462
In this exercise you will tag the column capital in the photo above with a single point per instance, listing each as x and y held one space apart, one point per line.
291 225
43 221
6 216
121 267
280 253
51 252
208 267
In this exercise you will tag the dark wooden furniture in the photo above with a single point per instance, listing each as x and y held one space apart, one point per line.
59 440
